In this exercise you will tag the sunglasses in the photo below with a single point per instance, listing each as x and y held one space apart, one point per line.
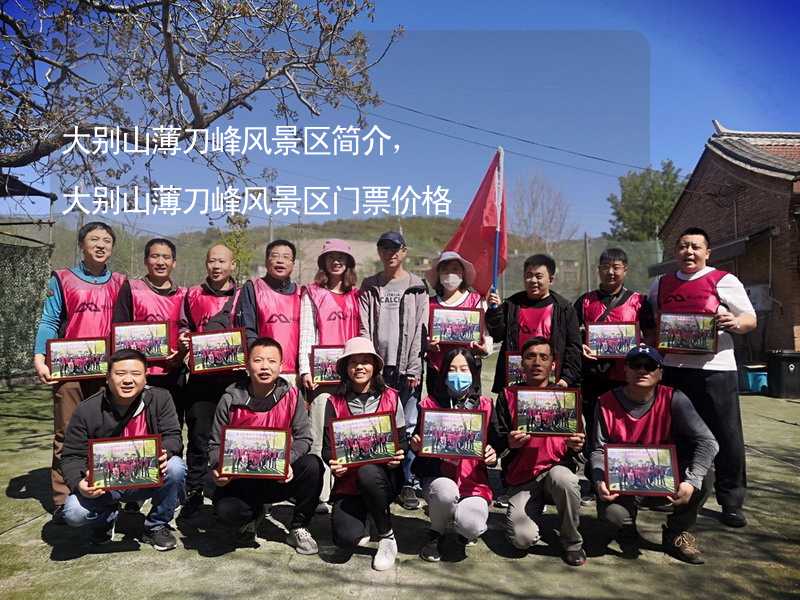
647 365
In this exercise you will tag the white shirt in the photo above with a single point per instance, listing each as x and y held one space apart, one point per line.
733 296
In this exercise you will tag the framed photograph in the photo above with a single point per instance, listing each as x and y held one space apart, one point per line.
687 333
253 452
612 340
453 434
150 338
364 439
514 373
642 470
217 351
82 358
323 364
125 463
548 411
456 326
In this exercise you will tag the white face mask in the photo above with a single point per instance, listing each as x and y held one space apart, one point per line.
450 282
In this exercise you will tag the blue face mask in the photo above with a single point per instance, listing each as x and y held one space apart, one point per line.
458 382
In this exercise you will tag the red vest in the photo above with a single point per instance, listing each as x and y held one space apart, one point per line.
473 300
471 476
347 484
696 296
334 325
652 428
150 306
279 318
538 455
534 322
137 426
593 309
203 306
88 306
278 417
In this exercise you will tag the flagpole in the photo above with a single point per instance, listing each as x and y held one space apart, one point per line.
498 201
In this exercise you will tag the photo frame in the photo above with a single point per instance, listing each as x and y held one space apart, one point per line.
364 439
254 452
550 411
215 351
456 326
125 463
635 470
77 359
453 434
514 373
612 340
151 338
687 333
323 364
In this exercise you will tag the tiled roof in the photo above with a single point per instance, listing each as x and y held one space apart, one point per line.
772 153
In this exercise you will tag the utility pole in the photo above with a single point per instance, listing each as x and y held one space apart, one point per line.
586 260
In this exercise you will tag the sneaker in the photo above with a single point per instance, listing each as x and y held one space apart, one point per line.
432 551
501 501
323 508
681 545
131 508
628 539
408 498
588 498
161 539
302 541
192 504
574 558
386 554
101 535
732 517
466 542
58 516
246 536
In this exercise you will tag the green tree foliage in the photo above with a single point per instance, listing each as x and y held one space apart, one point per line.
645 201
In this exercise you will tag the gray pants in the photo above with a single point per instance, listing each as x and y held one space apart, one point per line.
317 416
466 516
526 502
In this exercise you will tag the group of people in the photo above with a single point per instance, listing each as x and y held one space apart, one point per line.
643 399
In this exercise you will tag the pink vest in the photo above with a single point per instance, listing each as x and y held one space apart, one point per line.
538 455
148 306
473 300
534 322
471 476
334 325
137 426
203 306
89 306
278 417
627 312
696 296
279 318
347 485
652 428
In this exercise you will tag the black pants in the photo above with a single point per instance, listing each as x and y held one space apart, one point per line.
377 489
715 397
622 512
241 500
593 385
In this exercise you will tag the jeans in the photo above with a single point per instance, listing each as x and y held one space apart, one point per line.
409 398
101 512
467 515
377 488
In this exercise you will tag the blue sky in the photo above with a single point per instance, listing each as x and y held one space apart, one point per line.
635 82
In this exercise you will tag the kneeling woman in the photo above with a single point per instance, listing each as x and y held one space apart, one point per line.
365 490
457 491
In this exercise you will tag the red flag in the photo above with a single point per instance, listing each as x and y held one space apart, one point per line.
474 239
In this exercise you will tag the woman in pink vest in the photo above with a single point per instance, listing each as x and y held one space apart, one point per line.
457 491
452 276
367 490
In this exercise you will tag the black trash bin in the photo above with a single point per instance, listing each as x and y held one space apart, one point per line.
783 368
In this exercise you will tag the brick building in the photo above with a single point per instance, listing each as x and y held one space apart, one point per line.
745 191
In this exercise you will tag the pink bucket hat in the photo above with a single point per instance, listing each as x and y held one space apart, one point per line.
432 274
359 345
335 245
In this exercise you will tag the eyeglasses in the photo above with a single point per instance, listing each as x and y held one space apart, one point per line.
647 365
285 257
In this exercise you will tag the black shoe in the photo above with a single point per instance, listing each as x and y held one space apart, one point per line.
101 535
501 501
131 508
733 517
192 504
432 550
574 558
681 545
408 499
628 539
58 516
161 539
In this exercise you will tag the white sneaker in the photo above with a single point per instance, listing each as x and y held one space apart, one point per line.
386 554
302 541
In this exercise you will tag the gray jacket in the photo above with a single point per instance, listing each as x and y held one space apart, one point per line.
237 394
413 320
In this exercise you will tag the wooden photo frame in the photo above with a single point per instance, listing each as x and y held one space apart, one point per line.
125 463
151 338
453 434
687 333
323 364
456 326
635 470
77 359
216 351
552 411
514 373
612 340
253 452
363 439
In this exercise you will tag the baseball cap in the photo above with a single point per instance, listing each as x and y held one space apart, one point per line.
392 238
644 351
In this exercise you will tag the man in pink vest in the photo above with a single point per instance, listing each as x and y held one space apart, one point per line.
710 380
79 303
646 413
269 306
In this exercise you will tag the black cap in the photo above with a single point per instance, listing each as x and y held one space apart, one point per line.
643 350
392 237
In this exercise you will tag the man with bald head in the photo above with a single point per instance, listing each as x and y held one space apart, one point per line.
207 307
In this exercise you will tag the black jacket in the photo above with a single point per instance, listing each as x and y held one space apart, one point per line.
503 324
96 418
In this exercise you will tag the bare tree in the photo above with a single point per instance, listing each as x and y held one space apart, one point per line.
541 213
175 63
